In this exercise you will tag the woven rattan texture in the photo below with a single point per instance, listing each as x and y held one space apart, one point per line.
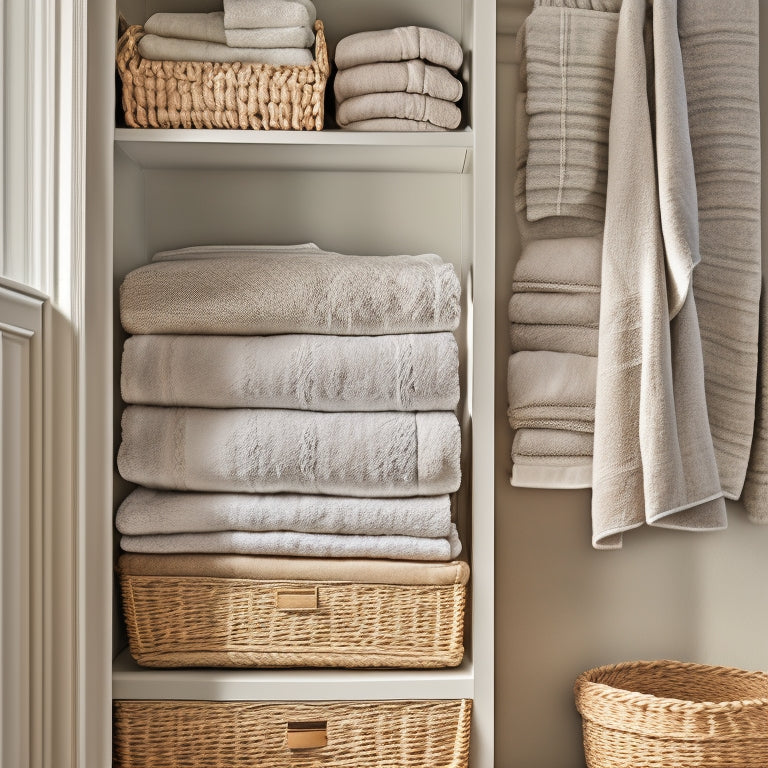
197 621
189 734
668 713
187 94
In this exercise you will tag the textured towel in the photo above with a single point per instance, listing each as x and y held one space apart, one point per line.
413 372
255 14
270 293
296 569
569 59
156 48
555 308
551 390
392 124
551 458
653 455
412 76
150 512
720 53
399 44
407 106
271 451
188 26
577 339
271 37
565 265
284 543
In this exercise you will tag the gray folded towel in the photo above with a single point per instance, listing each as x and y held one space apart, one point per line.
551 458
156 48
271 37
408 106
399 44
413 76
188 26
392 124
256 293
554 308
159 512
413 372
532 337
563 265
255 14
272 451
282 543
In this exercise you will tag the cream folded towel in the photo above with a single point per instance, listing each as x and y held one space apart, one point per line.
146 511
551 458
407 106
577 339
255 14
399 44
272 451
413 372
271 37
156 48
562 265
392 124
413 76
554 308
188 26
283 543
255 293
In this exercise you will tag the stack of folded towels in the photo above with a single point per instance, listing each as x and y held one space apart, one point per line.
398 80
290 401
275 32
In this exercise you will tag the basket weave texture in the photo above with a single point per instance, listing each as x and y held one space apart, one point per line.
188 94
176 621
239 734
649 714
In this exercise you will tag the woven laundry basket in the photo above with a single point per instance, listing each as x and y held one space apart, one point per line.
186 94
239 734
185 619
654 714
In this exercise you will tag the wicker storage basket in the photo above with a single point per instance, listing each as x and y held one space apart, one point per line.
350 734
185 94
649 714
195 620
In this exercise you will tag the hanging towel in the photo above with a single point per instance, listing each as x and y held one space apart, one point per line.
255 14
562 265
256 293
551 458
413 372
653 455
272 451
578 339
413 76
399 44
188 26
406 106
392 124
146 511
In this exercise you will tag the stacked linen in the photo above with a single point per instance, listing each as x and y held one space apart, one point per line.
398 79
274 32
290 402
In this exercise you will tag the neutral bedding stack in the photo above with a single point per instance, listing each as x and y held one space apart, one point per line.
400 79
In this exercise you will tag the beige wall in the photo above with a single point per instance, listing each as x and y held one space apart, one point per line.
562 607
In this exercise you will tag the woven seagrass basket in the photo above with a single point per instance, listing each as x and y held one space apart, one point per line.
187 94
241 734
658 714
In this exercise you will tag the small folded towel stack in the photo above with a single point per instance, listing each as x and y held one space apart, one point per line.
274 32
290 401
398 79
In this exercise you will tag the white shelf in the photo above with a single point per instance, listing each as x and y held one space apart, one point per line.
129 681
327 150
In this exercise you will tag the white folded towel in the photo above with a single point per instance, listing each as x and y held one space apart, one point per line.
273 451
284 543
551 458
271 37
188 26
255 14
146 511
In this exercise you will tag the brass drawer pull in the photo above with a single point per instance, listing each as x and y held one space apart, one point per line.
310 735
296 599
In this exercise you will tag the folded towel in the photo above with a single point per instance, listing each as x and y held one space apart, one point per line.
399 44
226 251
552 443
158 512
271 37
555 308
569 56
413 372
296 569
255 14
413 76
285 543
271 293
578 339
188 26
551 390
408 106
156 48
392 124
611 6
272 451
564 265
720 54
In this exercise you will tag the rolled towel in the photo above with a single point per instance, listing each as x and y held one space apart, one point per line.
577 339
188 26
408 106
271 37
399 44
270 293
551 458
552 390
156 48
555 308
146 511
564 265
413 76
290 543
255 14
413 372
392 124
273 451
